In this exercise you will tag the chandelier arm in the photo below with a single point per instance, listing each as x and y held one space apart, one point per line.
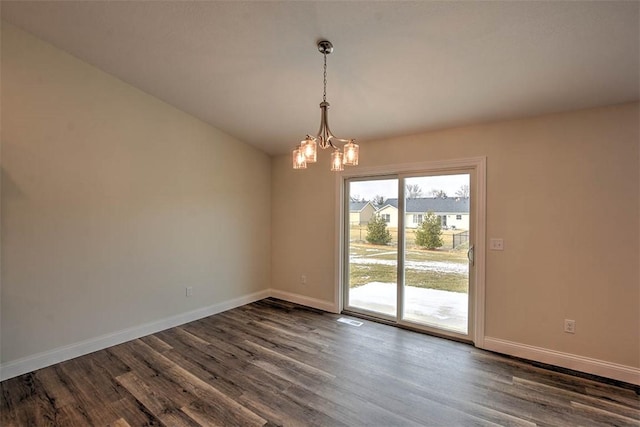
343 141
320 135
325 131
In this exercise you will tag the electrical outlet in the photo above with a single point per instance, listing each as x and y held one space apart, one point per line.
188 291
303 280
496 244
570 326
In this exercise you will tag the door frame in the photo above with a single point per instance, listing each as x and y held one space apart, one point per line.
478 166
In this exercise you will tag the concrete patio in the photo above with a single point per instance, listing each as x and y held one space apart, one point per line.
441 309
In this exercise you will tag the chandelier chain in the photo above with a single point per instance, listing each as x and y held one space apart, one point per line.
324 93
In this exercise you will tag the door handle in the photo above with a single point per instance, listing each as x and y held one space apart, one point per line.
471 255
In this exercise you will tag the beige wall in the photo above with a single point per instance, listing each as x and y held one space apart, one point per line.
113 202
562 191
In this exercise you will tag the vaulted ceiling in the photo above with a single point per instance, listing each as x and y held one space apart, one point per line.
252 69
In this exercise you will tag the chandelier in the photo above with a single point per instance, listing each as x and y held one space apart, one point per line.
308 150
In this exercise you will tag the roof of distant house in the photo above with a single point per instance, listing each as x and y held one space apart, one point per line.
357 206
433 204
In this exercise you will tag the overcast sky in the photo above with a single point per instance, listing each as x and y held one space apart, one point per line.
388 188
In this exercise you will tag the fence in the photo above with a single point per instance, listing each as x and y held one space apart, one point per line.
451 239
459 239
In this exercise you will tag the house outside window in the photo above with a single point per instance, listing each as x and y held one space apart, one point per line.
387 218
458 216
417 218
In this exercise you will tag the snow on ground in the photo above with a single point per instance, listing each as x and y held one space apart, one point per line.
428 306
441 267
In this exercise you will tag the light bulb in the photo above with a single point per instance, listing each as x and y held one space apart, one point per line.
310 149
351 153
299 160
336 161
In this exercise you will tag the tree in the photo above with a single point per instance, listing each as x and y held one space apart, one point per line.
357 198
439 193
429 234
463 192
377 201
413 191
377 233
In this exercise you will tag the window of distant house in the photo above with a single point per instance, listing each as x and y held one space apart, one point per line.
417 218
386 217
458 216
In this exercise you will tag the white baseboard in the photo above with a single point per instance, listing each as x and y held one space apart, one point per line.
329 306
614 371
37 361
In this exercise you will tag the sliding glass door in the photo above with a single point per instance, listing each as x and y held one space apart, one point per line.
372 247
436 242
409 249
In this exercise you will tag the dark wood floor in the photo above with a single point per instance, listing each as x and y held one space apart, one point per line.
275 363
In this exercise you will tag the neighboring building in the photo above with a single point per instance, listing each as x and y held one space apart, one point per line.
453 211
389 213
360 212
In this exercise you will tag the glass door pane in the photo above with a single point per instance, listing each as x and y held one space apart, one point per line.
372 247
436 267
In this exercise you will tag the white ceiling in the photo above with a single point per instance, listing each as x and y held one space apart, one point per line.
252 69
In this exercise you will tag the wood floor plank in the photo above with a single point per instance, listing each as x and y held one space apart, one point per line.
604 416
164 409
624 397
577 399
146 370
27 402
185 388
120 422
208 363
227 410
87 389
275 363
268 391
156 343
69 410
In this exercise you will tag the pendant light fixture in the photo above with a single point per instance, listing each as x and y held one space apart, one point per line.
307 152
